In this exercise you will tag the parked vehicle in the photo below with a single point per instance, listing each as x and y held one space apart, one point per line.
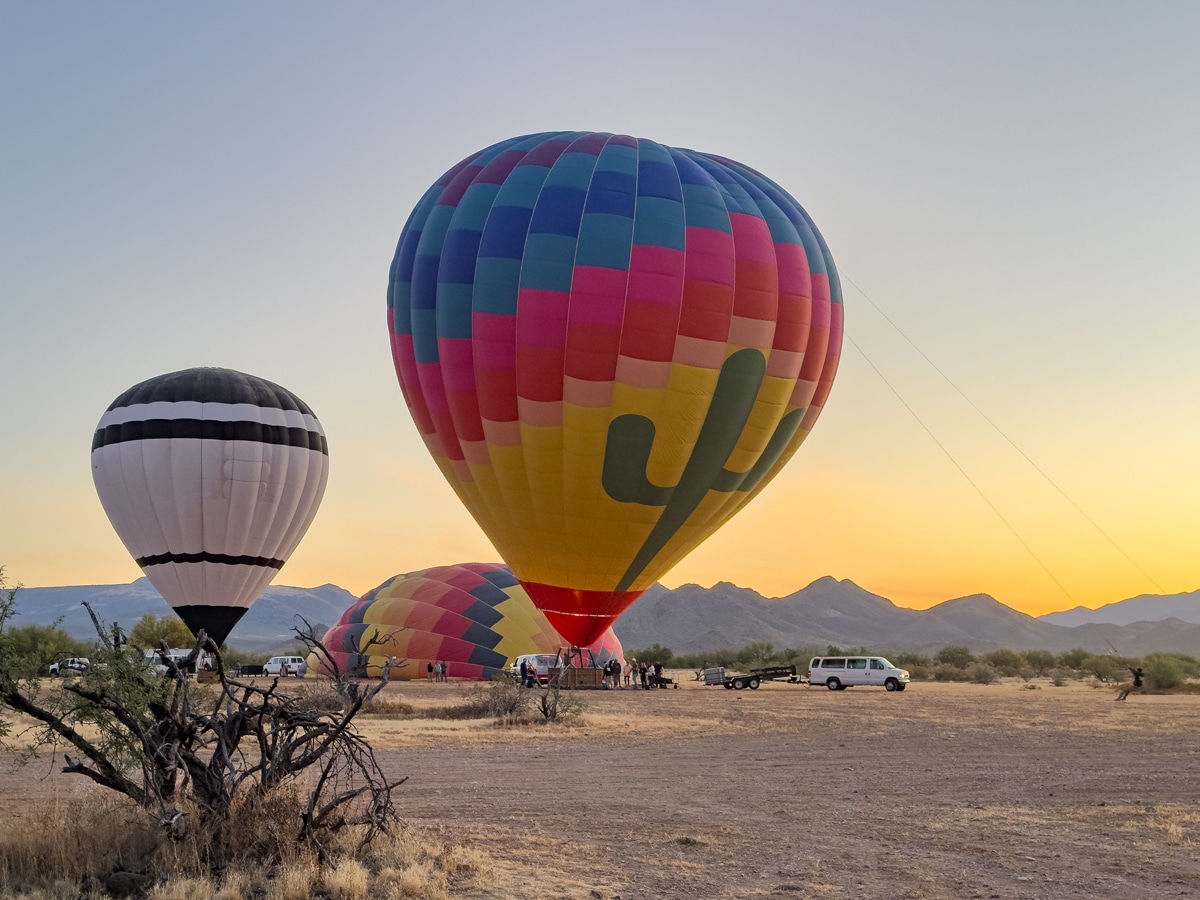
178 655
840 672
286 665
540 663
72 665
570 668
715 675
737 680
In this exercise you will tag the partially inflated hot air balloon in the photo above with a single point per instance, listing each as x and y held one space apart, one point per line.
475 617
210 478
609 346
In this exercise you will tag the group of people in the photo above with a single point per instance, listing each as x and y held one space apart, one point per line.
438 670
644 675
631 675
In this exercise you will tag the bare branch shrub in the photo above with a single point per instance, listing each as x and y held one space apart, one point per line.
554 704
502 699
245 767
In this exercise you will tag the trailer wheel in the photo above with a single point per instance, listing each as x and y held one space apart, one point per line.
728 685
833 684
753 685
738 684
891 684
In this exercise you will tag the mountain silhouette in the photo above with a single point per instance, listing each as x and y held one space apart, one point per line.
695 619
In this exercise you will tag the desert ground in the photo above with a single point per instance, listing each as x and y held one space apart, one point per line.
941 791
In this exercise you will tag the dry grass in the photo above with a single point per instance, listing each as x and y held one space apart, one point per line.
71 846
1174 825
68 841
998 784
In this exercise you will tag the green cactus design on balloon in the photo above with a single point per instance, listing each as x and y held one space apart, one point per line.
631 439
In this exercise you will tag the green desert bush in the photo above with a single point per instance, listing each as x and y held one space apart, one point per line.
918 665
1040 662
1008 663
1105 669
982 673
657 653
1163 671
958 657
1073 659
945 672
555 704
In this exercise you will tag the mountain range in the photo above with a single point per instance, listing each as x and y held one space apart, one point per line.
692 619
267 626
695 619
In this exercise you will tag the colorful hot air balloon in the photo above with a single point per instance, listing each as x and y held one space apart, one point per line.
474 616
609 346
210 478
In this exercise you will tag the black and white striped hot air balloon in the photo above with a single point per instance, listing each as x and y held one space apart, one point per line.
210 478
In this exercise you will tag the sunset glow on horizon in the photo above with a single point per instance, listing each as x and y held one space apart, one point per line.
1014 413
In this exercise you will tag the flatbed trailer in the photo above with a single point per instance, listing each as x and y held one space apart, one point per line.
736 681
778 673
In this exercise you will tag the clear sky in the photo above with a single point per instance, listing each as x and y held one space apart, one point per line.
1015 185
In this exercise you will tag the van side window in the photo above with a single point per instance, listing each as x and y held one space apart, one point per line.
856 664
832 663
876 664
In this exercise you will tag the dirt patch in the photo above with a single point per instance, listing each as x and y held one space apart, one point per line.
942 791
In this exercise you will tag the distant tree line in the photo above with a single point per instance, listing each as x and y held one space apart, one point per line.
42 645
1162 670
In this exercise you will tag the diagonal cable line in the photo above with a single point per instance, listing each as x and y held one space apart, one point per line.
961 470
1009 440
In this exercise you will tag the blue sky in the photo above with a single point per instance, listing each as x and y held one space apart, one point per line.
1014 185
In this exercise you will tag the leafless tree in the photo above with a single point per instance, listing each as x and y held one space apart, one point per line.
203 755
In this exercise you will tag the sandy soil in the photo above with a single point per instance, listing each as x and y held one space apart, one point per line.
942 791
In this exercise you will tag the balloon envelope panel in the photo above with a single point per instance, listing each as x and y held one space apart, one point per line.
609 346
210 477
476 617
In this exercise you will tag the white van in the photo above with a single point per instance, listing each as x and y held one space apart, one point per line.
539 663
285 666
840 672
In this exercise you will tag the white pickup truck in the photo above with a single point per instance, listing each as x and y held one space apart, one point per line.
72 665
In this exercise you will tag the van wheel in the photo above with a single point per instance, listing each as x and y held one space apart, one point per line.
891 684
753 685
901 687
833 684
738 684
